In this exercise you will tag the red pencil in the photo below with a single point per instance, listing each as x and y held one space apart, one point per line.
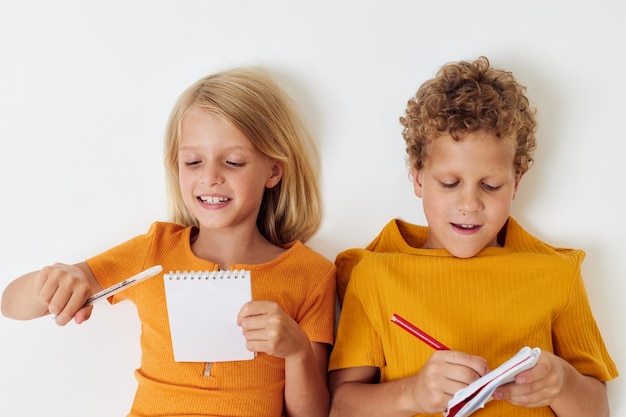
424 337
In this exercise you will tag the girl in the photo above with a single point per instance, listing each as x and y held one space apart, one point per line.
243 195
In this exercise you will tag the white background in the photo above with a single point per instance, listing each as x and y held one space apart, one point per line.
86 88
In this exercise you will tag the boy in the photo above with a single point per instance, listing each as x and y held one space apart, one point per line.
474 279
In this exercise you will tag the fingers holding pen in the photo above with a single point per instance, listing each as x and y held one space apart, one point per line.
74 310
443 374
64 288
476 365
458 368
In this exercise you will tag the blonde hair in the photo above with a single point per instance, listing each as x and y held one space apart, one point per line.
465 97
256 105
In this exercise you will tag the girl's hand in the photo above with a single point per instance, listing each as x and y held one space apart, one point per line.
64 288
268 329
445 372
536 387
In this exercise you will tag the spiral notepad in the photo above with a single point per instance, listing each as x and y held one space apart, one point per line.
202 308
478 393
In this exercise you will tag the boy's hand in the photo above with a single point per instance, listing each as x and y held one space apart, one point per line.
64 288
444 373
268 329
536 387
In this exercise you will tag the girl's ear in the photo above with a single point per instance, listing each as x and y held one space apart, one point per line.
417 182
275 175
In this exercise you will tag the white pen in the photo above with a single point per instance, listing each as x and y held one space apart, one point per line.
129 282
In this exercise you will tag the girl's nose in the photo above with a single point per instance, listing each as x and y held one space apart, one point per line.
211 174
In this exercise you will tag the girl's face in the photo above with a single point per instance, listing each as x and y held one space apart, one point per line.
467 188
222 174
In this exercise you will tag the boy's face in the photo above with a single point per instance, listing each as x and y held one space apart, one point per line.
467 188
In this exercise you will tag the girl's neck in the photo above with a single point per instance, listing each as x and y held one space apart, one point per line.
227 247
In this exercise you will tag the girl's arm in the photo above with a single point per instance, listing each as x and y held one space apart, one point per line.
268 329
306 388
556 383
59 289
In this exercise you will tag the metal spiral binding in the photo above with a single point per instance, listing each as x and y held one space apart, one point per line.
206 275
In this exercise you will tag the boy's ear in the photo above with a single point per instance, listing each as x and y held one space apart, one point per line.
275 175
517 181
417 182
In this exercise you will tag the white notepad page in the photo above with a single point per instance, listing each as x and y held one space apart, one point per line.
202 308
478 393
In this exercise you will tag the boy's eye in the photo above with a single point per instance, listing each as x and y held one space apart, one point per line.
449 184
491 187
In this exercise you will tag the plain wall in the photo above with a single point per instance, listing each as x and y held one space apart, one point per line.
86 88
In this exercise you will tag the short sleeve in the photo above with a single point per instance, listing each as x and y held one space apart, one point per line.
577 338
358 343
122 261
318 309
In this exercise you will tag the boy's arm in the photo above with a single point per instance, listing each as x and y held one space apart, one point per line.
357 392
59 289
556 383
582 396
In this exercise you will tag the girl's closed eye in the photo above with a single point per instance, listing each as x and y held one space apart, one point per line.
235 164
192 163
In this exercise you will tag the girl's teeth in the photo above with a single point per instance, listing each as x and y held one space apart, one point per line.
213 200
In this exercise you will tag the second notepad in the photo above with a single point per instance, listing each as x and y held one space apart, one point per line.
202 308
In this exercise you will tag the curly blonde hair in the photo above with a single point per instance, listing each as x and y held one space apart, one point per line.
251 100
465 97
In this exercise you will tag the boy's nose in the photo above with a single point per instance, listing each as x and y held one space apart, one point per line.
469 201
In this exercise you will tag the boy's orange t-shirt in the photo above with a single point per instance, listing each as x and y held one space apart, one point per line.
526 293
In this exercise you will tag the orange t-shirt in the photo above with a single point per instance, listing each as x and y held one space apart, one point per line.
301 281
526 293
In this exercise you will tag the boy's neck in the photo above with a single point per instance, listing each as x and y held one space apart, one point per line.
501 238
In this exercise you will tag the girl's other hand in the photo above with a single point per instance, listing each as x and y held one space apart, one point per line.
268 329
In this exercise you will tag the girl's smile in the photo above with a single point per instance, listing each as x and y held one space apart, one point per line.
212 200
